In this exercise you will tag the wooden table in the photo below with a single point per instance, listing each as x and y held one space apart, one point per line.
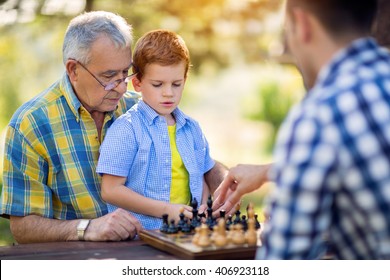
78 250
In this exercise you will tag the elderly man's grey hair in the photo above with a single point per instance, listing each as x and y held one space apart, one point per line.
86 28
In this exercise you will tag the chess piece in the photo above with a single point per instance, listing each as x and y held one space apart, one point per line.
257 224
180 224
186 227
210 221
229 222
237 220
222 214
251 235
172 227
204 239
244 223
220 239
238 237
165 225
195 238
195 222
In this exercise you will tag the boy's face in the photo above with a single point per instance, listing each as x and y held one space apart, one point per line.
162 87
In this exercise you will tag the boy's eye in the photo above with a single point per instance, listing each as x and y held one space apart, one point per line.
176 85
156 85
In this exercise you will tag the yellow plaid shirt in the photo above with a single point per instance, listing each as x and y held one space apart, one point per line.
50 156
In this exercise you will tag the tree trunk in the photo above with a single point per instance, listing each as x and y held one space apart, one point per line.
89 5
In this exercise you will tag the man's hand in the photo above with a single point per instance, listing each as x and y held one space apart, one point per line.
240 180
115 226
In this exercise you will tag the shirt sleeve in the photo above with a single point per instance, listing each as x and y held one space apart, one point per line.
118 149
300 211
24 179
202 148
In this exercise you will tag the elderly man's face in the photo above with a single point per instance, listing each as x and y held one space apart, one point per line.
106 65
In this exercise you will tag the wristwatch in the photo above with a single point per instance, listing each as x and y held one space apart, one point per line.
81 228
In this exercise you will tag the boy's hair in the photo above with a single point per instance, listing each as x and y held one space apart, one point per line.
340 17
86 28
163 47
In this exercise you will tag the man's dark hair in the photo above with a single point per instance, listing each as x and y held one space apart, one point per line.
340 16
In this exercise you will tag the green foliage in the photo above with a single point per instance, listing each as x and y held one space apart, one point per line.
6 238
278 90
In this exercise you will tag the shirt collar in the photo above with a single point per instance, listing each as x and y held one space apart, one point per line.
69 94
151 115
357 53
75 104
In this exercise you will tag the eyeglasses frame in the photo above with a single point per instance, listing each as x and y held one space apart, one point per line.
109 86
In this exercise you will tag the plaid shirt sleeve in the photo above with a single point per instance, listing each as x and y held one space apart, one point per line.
305 160
24 173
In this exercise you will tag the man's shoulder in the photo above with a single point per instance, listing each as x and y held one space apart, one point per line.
37 107
129 100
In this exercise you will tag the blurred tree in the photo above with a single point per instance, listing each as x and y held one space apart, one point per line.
219 33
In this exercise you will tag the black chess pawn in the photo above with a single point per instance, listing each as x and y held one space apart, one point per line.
165 225
180 224
257 224
202 215
172 227
237 220
222 214
186 227
244 223
229 222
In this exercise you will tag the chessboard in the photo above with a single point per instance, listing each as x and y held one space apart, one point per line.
180 244
207 238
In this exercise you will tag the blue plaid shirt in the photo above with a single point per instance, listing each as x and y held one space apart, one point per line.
137 147
333 164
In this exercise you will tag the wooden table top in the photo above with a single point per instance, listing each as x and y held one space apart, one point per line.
79 250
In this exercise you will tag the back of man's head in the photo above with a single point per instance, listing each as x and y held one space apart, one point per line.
340 17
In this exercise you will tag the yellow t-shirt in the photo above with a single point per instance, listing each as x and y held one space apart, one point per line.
180 189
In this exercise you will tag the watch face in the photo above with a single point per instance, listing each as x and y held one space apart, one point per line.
83 224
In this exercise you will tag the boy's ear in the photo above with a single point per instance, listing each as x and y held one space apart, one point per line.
136 84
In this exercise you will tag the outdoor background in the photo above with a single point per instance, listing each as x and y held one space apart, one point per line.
240 87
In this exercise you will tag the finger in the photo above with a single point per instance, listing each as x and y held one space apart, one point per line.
226 183
202 208
227 207
134 222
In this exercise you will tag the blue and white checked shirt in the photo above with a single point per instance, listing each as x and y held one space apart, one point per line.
137 147
333 164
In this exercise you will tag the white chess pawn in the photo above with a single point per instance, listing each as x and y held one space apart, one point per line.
204 239
220 238
238 237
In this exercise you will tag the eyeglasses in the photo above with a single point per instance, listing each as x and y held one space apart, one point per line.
111 85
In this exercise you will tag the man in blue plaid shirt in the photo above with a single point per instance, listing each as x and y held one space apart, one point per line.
332 157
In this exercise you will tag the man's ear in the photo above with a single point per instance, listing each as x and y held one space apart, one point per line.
71 69
136 84
303 24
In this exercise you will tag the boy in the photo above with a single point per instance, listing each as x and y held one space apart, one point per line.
154 157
